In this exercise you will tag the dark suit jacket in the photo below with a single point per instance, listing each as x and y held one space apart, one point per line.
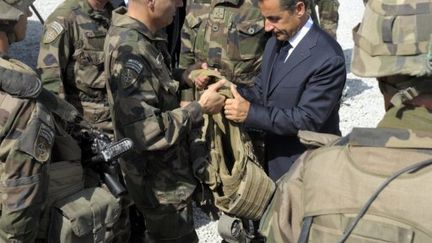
304 94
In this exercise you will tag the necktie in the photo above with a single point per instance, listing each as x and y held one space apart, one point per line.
283 52
279 61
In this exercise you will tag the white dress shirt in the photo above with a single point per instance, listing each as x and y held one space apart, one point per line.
295 40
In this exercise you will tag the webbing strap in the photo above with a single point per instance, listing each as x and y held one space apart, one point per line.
409 169
400 9
389 49
304 234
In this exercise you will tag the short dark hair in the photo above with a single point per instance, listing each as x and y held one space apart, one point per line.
290 4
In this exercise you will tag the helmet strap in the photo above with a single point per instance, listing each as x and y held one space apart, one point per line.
404 95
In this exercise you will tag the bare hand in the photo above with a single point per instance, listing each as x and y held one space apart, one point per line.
236 109
186 74
201 81
210 101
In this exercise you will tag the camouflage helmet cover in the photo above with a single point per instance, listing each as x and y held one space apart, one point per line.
11 10
394 38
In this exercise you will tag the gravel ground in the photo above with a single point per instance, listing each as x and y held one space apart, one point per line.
362 104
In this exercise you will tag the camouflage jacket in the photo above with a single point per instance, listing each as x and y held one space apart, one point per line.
310 190
71 58
329 15
145 107
227 34
27 136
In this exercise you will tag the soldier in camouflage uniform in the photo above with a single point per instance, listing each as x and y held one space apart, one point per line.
144 100
227 35
328 15
318 199
71 64
71 58
27 136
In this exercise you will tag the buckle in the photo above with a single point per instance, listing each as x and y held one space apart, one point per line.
403 95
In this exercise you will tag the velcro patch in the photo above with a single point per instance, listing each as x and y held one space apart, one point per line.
218 13
43 143
53 30
130 72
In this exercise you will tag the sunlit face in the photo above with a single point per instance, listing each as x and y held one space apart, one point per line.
283 23
165 11
21 26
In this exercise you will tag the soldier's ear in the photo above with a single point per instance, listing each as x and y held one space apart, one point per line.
151 4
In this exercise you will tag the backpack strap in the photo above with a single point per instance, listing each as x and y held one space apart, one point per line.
304 234
409 169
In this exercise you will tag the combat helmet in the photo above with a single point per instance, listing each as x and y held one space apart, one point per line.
394 38
11 10
394 41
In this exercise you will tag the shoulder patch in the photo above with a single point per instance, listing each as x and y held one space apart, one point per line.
53 30
44 143
130 72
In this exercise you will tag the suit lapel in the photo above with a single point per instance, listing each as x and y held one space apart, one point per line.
269 74
299 54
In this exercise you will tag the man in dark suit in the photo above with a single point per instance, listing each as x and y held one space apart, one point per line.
299 87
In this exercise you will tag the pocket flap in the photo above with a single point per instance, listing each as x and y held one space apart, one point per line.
88 57
251 27
89 210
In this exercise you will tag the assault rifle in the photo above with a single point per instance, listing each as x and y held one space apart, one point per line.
103 158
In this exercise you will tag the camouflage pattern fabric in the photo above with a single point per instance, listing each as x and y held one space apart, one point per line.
9 13
27 137
328 15
311 187
400 46
144 100
227 34
229 166
71 64
12 9
71 58
211 73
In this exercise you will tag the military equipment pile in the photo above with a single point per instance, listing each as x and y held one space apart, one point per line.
361 100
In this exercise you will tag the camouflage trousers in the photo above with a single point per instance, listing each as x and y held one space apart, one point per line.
24 185
329 16
163 222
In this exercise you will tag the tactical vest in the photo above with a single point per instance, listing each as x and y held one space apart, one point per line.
338 185
239 184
